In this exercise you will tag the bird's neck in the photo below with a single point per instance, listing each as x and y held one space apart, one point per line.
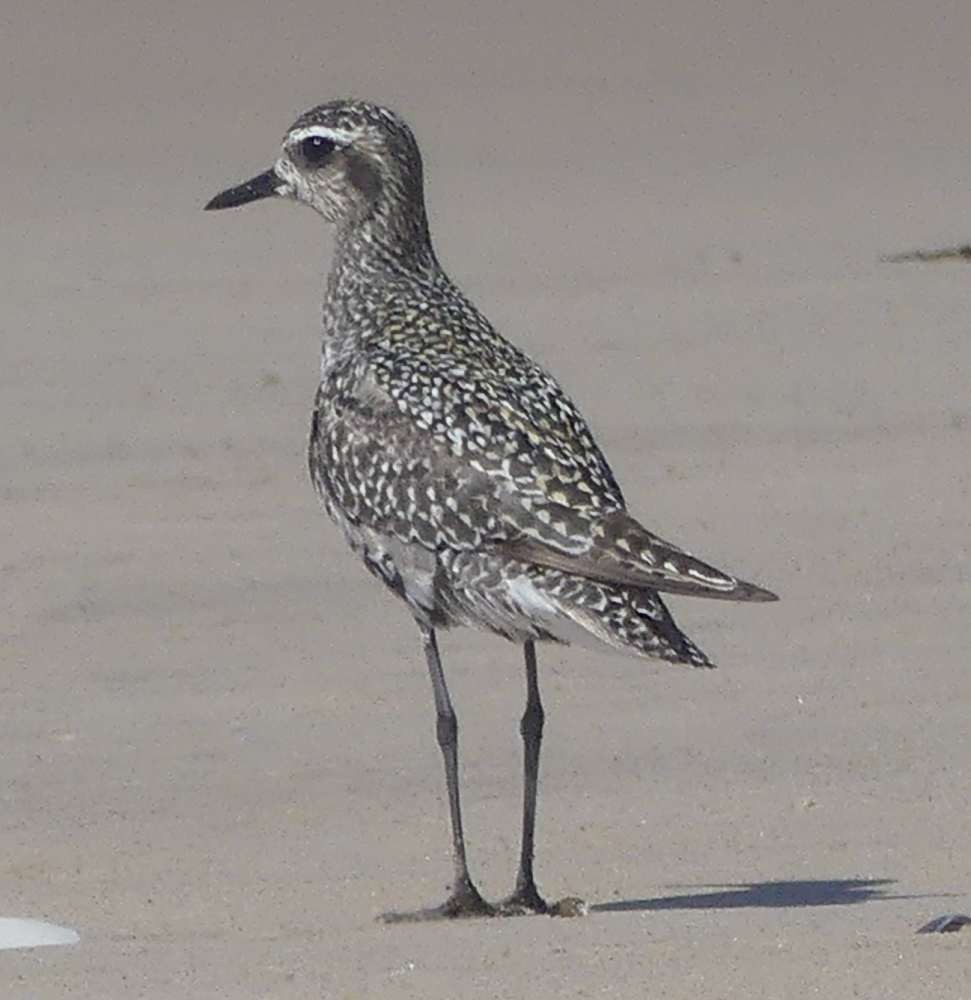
374 259
391 239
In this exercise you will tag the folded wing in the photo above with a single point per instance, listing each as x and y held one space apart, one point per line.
622 551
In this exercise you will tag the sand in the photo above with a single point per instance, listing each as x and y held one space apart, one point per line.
218 755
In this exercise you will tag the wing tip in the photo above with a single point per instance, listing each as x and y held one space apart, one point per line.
745 591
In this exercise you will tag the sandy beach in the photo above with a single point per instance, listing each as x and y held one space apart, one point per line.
218 762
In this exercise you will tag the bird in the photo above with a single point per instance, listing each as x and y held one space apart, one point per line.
460 472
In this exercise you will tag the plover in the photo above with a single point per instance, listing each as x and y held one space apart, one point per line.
457 468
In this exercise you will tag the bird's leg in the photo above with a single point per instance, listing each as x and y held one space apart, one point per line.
525 897
464 900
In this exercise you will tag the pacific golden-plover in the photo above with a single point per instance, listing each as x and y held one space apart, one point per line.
458 469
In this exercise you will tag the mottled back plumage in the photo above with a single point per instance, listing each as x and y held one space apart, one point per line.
457 467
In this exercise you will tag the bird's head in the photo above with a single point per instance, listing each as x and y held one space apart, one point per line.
349 160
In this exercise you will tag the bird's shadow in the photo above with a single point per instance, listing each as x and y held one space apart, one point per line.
770 895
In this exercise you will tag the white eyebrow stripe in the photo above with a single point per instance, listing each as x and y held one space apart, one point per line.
342 137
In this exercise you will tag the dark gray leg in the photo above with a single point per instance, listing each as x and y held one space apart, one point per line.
464 900
525 897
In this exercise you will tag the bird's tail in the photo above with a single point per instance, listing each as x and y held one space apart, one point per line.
629 619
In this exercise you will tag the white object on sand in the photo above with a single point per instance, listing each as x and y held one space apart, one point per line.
18 933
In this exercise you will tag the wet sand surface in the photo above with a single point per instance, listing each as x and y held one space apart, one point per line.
218 754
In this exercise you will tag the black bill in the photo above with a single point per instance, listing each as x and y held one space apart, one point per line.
262 186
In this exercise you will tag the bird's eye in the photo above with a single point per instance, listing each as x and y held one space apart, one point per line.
316 148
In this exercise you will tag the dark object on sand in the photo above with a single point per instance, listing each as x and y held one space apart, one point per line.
947 924
947 253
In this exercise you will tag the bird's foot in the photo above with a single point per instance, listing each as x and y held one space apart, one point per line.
464 902
524 900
